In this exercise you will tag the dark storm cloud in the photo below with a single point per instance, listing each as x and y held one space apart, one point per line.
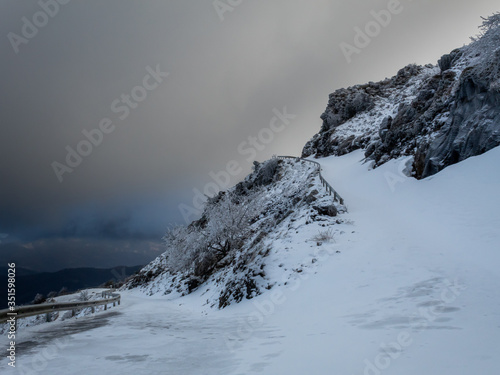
225 78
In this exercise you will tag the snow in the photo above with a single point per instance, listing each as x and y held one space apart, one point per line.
367 123
412 291
287 227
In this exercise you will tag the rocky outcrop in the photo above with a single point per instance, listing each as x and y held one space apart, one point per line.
439 115
409 132
472 128
347 105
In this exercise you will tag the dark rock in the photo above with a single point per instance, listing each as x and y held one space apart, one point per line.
445 62
384 127
193 282
266 172
326 210
472 128
312 196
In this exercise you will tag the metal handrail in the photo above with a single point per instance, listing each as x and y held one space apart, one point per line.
329 189
46 308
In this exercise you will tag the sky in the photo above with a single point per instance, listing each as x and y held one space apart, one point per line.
118 115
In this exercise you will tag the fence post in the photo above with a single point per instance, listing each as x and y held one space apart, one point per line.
329 189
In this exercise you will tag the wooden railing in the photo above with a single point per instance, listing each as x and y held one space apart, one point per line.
109 297
330 190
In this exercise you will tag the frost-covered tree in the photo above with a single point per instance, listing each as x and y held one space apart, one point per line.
484 51
230 216
224 226
489 24
182 243
487 42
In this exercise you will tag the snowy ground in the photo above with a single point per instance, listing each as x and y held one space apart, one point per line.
414 290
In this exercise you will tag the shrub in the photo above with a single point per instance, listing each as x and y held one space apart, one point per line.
324 236
39 298
84 296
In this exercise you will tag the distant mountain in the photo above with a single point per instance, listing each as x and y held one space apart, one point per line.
28 283
19 271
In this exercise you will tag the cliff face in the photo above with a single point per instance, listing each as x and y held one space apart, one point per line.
472 128
439 115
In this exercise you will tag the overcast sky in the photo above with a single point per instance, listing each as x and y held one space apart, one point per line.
177 87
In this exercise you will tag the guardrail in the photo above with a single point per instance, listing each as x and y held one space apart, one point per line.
46 308
330 190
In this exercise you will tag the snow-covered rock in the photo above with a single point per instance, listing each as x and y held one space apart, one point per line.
439 115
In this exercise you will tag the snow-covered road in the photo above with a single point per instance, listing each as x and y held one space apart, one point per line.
142 336
413 291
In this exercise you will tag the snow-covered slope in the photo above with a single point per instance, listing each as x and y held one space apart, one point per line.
413 290
292 222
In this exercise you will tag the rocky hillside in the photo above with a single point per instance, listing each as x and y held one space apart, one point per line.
438 114
276 225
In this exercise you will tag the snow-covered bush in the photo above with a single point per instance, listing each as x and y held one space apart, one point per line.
224 227
324 236
485 48
84 296
489 25
39 298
